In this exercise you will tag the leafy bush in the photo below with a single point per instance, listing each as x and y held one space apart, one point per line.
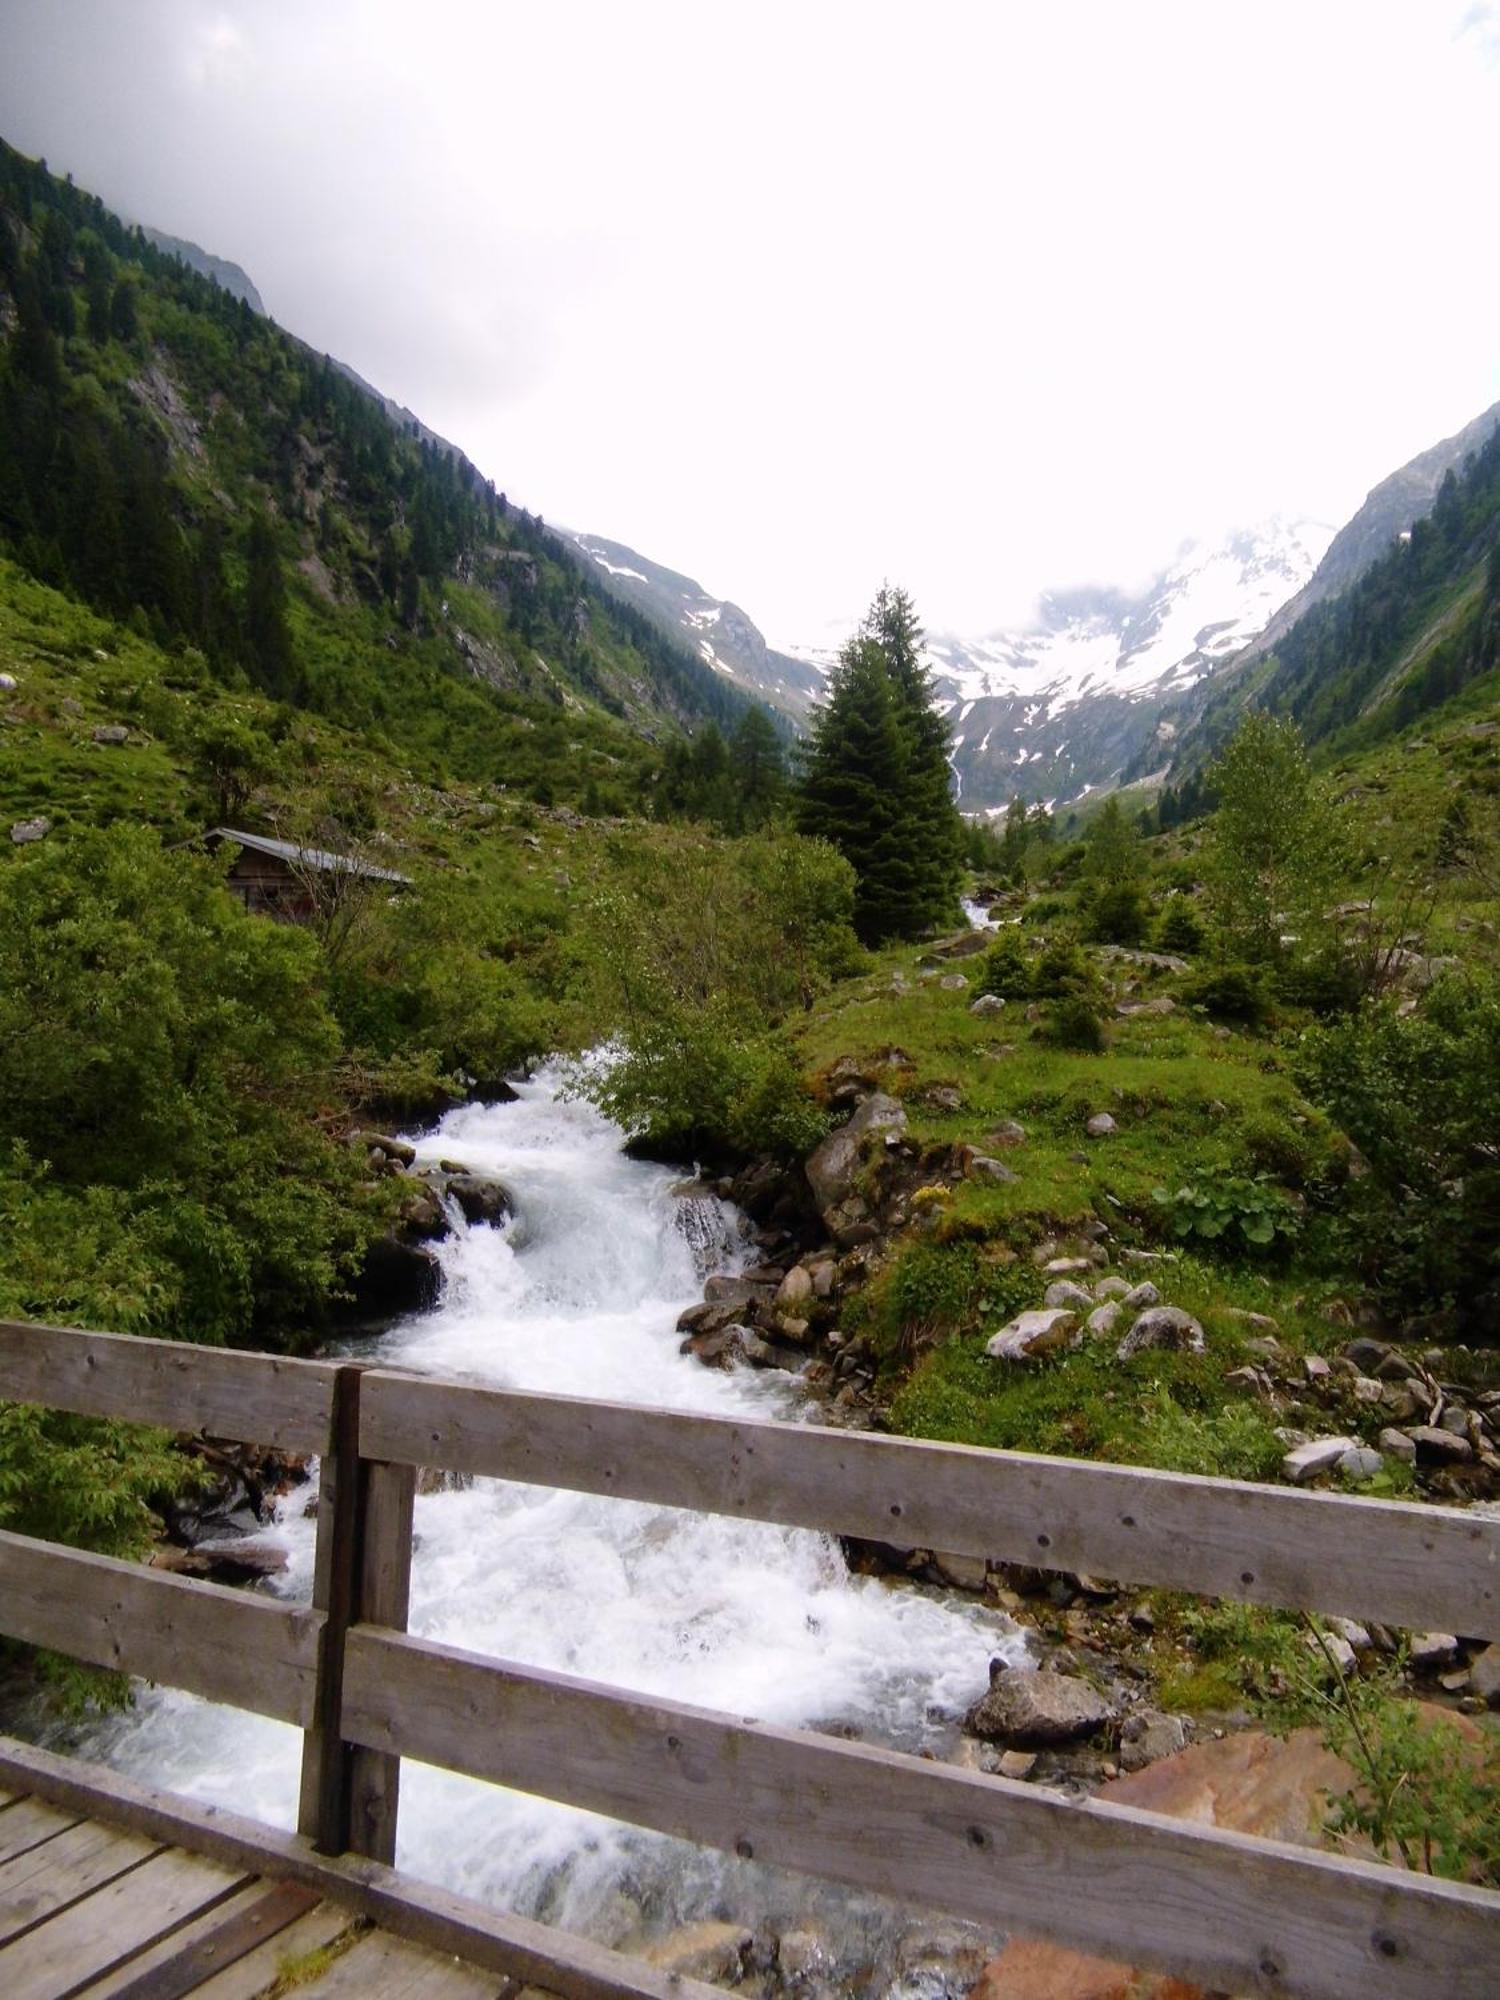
699 951
1074 1022
1228 993
1180 929
1420 1098
1062 972
1119 914
1006 969
1239 1213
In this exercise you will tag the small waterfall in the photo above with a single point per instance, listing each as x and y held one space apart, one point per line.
579 1295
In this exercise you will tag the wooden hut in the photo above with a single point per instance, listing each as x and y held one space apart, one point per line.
277 878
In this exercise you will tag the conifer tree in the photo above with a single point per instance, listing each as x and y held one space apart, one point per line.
758 766
928 786
877 782
855 793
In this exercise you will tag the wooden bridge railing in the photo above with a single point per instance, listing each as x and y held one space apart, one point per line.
1236 1913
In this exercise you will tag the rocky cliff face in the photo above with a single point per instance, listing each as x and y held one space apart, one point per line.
720 633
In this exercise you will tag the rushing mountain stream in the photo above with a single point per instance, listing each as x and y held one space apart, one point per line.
579 1294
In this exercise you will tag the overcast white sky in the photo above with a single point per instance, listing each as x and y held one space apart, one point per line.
981 298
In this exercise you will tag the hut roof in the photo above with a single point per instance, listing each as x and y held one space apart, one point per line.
305 857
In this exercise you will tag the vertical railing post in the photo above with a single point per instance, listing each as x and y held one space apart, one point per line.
361 1573
323 1812
384 1599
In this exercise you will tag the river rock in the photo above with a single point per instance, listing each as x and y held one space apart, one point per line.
708 1950
953 982
394 1149
982 1167
1032 1708
239 1560
1140 1296
987 1003
1430 1650
1305 1461
1149 1735
25 831
1103 1320
1031 1334
1360 1463
397 1276
1162 1326
1100 1125
112 733
1484 1674
795 1290
482 1200
1436 1446
1064 1292
1113 1288
1007 1133
834 1167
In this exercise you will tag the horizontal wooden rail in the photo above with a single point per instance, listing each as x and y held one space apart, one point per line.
254 1398
1239 1914
1394 1561
514 1947
213 1641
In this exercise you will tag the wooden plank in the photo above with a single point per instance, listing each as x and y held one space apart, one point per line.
394 1969
323 1801
180 1964
249 1977
515 1947
384 1599
28 1824
1237 1914
45 1879
57 1958
227 1644
1398 1562
257 1398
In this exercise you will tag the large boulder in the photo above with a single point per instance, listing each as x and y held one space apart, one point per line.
1029 1706
482 1199
834 1168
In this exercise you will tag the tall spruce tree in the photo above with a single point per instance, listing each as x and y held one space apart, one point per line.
938 832
876 780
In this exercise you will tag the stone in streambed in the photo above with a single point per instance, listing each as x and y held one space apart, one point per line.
1032 1708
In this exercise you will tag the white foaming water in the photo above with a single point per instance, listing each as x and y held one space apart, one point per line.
579 1294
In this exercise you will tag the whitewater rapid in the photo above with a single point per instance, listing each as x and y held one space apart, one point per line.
579 1294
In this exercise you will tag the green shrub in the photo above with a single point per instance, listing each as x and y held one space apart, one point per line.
1119 914
1229 1210
1074 1022
1006 969
1180 929
1228 993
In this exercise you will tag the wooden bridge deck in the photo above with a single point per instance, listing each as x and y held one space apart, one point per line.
90 1911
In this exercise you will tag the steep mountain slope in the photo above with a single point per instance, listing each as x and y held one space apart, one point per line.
1389 510
1419 625
720 632
230 277
169 457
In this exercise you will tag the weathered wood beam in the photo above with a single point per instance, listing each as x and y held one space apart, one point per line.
1238 1914
1394 1561
254 1398
218 1642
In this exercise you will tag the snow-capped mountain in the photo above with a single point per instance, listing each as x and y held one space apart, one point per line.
1060 709
718 631
1054 710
